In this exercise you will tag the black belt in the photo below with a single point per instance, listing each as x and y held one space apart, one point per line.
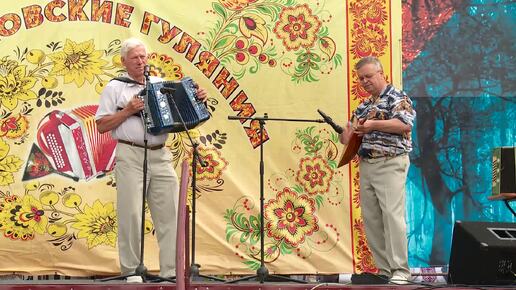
155 147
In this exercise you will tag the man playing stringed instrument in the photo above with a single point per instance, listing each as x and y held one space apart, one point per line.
384 121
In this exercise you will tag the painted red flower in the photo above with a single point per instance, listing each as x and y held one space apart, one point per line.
297 27
314 175
290 217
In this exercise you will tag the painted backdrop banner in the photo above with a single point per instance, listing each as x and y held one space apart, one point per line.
278 58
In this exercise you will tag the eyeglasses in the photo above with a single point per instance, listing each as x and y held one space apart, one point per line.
368 76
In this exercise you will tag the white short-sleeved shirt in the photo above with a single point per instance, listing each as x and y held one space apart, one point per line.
114 97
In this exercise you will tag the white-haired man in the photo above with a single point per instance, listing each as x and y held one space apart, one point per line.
118 112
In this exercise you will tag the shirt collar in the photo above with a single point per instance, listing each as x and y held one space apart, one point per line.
132 84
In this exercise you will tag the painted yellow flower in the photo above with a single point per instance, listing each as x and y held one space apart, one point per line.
15 84
7 65
290 217
97 224
21 219
78 62
297 27
7 203
314 175
163 66
8 164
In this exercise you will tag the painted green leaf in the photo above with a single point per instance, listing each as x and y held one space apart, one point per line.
219 9
319 200
224 42
254 265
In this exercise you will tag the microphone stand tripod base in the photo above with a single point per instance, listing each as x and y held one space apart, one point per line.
262 275
195 276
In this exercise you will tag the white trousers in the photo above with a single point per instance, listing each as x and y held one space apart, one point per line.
162 199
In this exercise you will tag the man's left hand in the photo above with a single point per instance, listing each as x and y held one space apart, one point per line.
365 127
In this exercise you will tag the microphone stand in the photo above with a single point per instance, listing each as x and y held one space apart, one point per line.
262 274
141 270
194 267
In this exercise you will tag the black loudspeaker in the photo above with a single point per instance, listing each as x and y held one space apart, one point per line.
483 253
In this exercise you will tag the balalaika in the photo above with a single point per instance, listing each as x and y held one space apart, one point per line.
161 114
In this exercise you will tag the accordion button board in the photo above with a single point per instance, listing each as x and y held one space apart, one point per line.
170 113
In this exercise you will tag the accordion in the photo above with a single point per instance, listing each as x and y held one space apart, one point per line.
74 145
162 116
504 170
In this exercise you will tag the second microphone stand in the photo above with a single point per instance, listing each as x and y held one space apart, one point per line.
262 274
194 267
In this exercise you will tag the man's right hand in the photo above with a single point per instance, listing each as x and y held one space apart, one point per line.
110 122
346 134
135 105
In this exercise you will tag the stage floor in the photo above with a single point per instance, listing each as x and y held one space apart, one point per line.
113 285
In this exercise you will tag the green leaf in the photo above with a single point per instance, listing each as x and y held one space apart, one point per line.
302 57
337 60
254 69
242 221
298 188
229 233
315 57
319 201
244 236
323 32
219 9
318 146
334 137
264 10
253 265
224 42
285 249
254 222
232 28
255 238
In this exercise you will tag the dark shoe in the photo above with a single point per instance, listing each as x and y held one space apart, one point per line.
334 278
369 279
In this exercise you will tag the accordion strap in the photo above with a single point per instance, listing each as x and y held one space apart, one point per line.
126 80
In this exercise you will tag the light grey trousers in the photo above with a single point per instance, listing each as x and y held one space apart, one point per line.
382 198
162 198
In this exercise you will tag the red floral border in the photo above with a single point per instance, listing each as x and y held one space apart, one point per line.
368 35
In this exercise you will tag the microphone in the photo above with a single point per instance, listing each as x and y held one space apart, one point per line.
166 90
146 72
328 120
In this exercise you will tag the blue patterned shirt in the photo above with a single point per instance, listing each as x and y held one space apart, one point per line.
392 103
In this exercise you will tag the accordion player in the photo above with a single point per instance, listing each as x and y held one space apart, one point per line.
172 112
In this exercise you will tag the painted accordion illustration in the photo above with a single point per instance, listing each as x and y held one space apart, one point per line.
73 145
